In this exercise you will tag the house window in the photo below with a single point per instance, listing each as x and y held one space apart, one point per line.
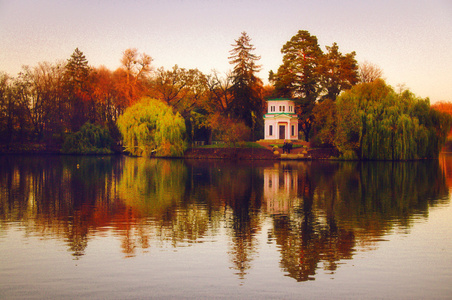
293 130
282 108
272 108
290 108
270 130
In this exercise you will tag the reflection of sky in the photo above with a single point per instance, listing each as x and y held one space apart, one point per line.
409 40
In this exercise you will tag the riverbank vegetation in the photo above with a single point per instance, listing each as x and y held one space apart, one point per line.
372 121
150 128
73 107
90 139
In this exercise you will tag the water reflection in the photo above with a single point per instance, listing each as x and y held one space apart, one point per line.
321 213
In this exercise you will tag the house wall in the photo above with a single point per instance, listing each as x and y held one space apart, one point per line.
280 112
280 106
275 123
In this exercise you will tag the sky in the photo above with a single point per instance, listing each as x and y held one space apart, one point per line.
410 40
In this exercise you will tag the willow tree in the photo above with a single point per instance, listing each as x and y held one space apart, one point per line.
150 127
375 122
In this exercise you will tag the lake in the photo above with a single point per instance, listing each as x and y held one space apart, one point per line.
117 227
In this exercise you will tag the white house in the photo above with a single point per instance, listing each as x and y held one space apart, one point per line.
281 121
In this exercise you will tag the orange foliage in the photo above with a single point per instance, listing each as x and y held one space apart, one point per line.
444 106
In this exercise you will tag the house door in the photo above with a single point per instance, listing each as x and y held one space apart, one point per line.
282 132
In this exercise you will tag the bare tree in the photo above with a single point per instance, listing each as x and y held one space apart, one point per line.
220 94
136 65
369 72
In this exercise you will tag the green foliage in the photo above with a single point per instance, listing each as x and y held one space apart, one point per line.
307 75
150 127
325 123
374 122
152 186
90 139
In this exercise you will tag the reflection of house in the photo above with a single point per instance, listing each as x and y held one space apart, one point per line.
280 187
281 122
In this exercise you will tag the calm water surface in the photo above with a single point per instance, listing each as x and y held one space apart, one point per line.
121 227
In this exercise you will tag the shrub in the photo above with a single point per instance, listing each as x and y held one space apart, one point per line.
90 139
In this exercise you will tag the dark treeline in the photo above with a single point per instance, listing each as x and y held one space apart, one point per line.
48 104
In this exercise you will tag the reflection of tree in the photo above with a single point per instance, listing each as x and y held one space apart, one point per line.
160 194
240 189
152 186
307 236
55 195
446 166
305 244
341 204
382 195
326 209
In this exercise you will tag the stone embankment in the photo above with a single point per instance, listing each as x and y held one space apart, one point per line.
300 151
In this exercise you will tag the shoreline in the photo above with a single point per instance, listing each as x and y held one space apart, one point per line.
226 153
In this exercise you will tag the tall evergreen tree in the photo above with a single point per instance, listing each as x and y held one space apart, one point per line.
298 77
247 87
77 69
76 82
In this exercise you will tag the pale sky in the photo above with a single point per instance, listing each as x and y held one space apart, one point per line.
410 40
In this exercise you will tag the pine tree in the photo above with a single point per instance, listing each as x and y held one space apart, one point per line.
76 83
77 69
246 87
298 77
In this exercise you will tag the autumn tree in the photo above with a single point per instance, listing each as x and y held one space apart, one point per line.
220 98
41 87
337 72
229 130
443 106
109 105
246 86
325 123
7 108
180 88
131 76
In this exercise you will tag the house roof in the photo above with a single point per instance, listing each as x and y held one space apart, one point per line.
280 114
280 99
